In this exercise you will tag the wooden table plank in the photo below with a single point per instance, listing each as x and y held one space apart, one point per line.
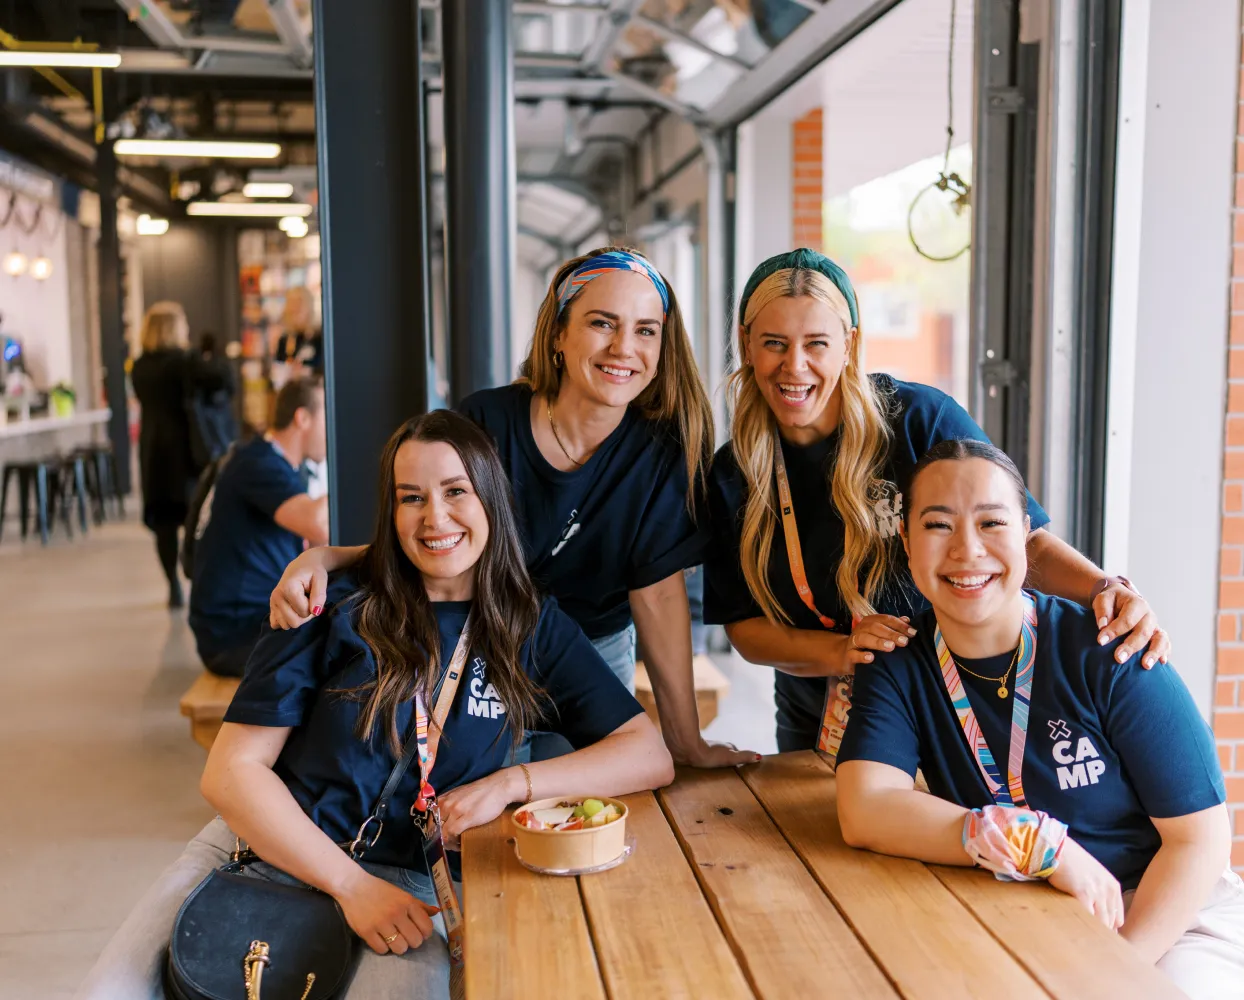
1063 945
529 931
783 929
654 933
926 940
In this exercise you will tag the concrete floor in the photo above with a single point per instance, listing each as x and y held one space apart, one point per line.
99 776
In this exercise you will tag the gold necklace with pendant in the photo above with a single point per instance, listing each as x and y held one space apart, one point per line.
1000 681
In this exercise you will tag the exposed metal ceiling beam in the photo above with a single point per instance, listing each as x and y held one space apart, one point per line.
166 35
526 7
813 5
290 29
686 111
831 27
609 31
674 35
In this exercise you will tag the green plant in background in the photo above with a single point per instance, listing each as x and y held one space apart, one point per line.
61 399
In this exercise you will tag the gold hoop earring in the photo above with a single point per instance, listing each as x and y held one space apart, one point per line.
559 359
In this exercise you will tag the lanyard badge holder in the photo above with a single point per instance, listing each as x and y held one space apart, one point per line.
427 813
838 693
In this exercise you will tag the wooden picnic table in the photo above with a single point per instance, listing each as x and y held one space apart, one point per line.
741 886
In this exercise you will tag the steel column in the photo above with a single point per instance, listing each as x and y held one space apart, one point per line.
478 65
112 347
372 216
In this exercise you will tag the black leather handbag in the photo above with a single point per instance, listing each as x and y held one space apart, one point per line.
236 935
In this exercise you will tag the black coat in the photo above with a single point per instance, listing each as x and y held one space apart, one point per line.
163 381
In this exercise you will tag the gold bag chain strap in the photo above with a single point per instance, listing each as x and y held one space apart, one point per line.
256 960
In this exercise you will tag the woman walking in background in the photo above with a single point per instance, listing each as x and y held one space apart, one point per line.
165 378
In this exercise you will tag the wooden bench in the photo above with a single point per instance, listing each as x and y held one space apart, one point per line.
205 705
710 686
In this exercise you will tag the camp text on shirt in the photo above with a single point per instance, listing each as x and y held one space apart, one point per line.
1109 745
919 417
297 678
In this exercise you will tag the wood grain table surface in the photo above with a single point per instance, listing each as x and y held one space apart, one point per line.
741 886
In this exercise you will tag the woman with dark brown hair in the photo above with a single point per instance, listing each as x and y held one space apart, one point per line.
606 437
320 719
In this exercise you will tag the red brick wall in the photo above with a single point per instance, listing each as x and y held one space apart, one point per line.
1229 686
807 190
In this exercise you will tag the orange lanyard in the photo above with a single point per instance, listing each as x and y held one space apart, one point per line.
840 689
794 554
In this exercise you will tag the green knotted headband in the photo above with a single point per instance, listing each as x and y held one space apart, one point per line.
802 259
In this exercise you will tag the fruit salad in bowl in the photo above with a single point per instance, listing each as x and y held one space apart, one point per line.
567 816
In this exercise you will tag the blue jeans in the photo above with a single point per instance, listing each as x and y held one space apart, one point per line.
618 651
131 964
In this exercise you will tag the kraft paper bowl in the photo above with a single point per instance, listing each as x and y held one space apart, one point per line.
568 849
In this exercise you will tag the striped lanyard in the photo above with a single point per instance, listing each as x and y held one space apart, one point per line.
1011 793
426 743
790 529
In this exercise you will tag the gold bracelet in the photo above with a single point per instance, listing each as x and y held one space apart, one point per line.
527 775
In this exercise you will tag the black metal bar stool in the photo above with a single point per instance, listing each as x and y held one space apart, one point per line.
101 480
41 476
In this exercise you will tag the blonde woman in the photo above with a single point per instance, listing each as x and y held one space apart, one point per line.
805 570
165 377
606 439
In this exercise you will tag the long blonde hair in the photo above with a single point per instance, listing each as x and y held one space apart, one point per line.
856 478
676 395
164 325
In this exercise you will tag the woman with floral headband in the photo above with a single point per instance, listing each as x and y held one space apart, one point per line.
607 437
805 570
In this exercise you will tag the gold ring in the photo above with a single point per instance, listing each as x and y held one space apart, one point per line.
390 939
853 645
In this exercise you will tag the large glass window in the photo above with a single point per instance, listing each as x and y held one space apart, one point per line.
853 161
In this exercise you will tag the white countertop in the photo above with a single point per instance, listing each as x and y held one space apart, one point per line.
42 425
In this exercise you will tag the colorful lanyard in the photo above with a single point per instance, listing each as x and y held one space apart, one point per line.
1012 793
427 813
790 529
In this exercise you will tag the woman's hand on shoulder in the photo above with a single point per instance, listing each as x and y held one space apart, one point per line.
872 634
384 916
1081 875
480 802
1120 610
301 593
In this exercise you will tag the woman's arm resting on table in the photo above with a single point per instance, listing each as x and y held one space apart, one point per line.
1195 851
300 594
240 783
663 623
1056 568
880 810
630 759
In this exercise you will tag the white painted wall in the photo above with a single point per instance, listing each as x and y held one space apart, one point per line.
1178 87
37 312
763 193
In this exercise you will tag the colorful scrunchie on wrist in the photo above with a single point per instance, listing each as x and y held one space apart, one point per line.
1017 845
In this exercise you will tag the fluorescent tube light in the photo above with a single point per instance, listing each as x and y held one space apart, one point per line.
197 147
241 209
268 189
61 60
147 226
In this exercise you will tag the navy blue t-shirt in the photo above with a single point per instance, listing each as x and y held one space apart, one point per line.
296 678
242 552
590 535
919 417
1109 744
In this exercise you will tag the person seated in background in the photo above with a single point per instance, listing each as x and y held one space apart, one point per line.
257 518
1118 798
212 413
324 711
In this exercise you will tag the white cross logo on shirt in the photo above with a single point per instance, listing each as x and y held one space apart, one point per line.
1059 730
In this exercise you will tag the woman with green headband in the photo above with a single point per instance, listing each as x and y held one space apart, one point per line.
806 572
606 438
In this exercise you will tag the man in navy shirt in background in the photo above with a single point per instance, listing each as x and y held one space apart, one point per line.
255 521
